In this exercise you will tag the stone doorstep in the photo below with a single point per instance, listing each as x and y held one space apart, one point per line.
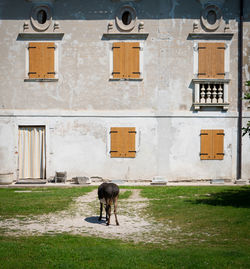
160 183
217 181
241 182
31 181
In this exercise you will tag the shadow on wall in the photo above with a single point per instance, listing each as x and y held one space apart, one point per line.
105 9
234 197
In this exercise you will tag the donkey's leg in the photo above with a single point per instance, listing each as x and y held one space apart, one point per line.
101 206
115 207
109 213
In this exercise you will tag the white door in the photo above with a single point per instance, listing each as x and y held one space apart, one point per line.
32 152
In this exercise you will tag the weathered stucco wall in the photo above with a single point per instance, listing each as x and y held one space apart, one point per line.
80 108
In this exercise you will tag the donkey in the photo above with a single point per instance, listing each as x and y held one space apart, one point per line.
108 193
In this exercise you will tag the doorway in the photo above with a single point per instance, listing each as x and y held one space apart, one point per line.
32 152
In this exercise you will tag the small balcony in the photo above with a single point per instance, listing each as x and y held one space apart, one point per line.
211 93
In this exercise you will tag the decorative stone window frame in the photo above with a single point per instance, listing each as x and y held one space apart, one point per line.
27 79
34 17
197 104
204 17
118 18
111 62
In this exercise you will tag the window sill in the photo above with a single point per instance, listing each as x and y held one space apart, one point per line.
125 79
41 79
210 80
197 106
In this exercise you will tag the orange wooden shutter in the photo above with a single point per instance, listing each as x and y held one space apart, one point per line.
49 60
218 60
218 144
122 142
130 149
132 63
118 59
35 59
203 60
206 145
211 60
41 60
115 142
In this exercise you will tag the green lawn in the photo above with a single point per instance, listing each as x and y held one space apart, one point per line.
214 226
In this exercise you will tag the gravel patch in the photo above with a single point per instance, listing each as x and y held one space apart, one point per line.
81 218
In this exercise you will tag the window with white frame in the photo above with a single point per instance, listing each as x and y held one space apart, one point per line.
126 61
41 61
211 74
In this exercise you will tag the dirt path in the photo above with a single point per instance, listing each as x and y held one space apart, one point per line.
82 218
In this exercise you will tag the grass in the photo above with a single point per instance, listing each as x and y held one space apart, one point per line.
213 231
36 201
125 194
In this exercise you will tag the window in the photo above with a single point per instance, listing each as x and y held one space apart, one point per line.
211 60
126 18
41 63
122 142
212 144
126 60
41 18
211 70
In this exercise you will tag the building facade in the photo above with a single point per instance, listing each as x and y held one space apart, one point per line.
124 89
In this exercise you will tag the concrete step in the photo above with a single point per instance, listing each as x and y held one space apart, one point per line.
31 181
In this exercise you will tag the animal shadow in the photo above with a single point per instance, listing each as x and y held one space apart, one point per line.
95 220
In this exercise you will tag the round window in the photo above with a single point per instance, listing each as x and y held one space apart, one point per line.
126 18
211 17
41 18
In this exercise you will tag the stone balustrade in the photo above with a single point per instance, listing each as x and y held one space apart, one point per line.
211 93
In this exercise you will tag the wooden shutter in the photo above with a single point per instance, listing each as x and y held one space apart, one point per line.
211 60
206 145
118 59
115 137
218 144
41 60
132 63
203 60
122 142
35 59
130 145
218 60
126 60
212 145
49 60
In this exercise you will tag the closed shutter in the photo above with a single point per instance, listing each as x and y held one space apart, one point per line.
115 137
218 65
203 60
126 60
212 145
133 64
218 144
118 59
211 60
206 145
49 61
41 60
35 59
122 142
130 149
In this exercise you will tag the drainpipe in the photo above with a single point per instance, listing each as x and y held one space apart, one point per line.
240 54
